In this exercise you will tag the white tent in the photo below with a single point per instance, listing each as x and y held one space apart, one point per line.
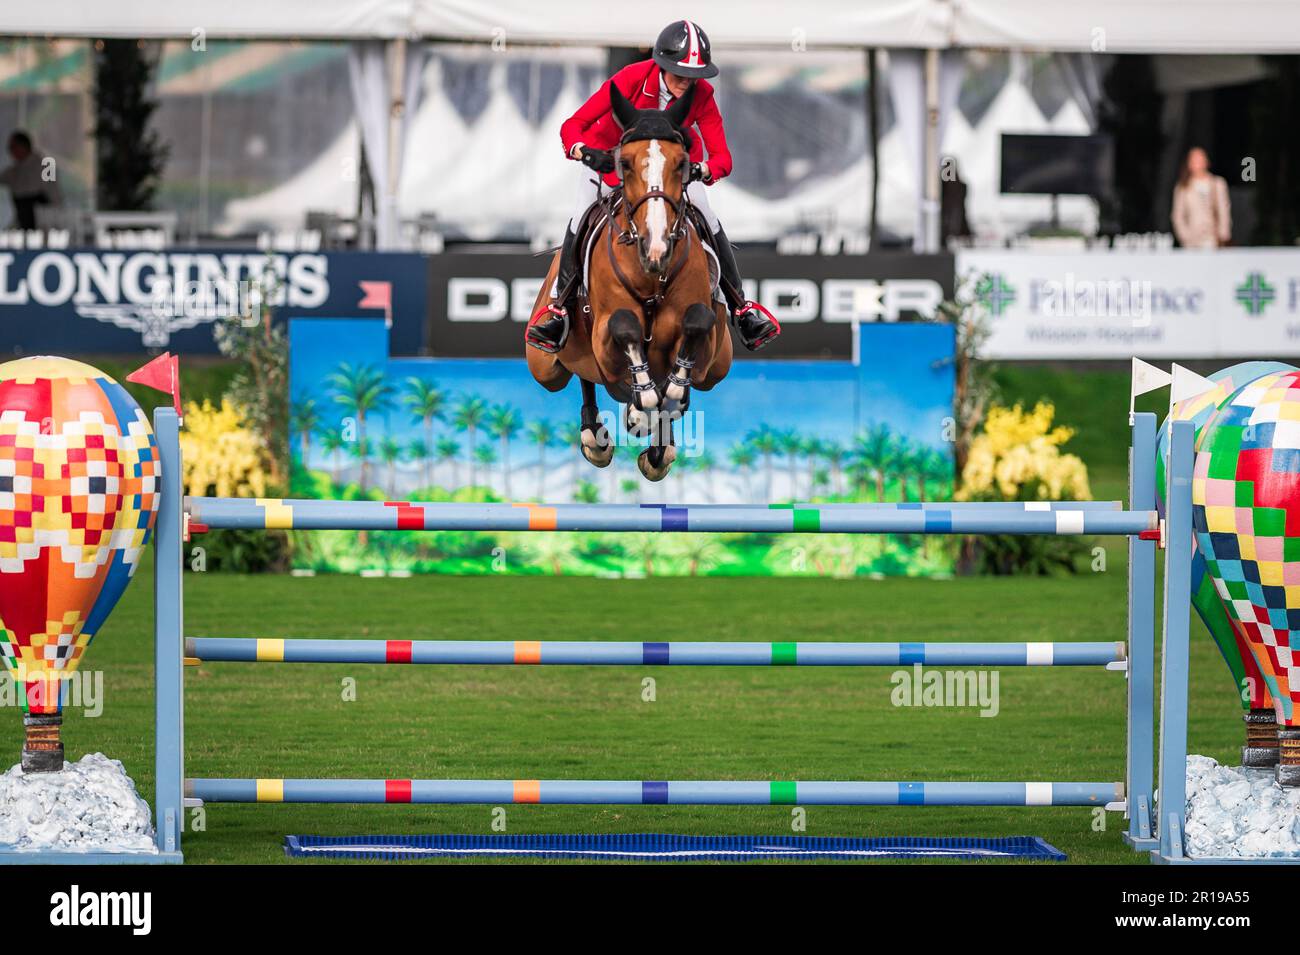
1109 26
386 81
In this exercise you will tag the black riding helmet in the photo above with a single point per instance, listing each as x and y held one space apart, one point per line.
683 50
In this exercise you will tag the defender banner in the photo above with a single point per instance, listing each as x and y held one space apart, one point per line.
480 301
1230 303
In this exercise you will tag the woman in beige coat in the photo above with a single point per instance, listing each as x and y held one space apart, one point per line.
1202 216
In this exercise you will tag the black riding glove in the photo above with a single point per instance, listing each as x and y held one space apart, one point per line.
601 160
697 172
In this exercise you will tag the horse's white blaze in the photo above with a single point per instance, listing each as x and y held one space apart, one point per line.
656 218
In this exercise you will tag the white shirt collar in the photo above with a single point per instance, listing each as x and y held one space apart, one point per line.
664 95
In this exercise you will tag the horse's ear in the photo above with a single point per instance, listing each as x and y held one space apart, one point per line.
679 110
624 111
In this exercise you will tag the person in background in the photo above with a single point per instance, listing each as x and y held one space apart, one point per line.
28 181
1202 215
953 223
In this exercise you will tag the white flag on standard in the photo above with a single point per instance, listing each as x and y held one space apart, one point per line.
1146 377
1187 384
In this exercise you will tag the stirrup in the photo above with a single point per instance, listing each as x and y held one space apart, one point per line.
545 344
748 306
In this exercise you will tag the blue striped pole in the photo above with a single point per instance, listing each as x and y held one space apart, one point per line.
252 514
652 792
908 506
689 653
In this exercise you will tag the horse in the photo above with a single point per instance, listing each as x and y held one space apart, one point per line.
651 329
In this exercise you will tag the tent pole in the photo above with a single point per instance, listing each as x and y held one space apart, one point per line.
873 134
396 109
930 193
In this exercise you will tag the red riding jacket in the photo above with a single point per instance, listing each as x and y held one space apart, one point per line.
594 125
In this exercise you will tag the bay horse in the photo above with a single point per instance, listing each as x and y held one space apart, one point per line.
651 329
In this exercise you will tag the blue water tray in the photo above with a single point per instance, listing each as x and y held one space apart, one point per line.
660 847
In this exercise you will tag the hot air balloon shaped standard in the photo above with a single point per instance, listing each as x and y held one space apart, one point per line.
78 496
1246 517
1261 749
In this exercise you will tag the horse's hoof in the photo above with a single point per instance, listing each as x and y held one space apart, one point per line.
637 422
652 471
597 447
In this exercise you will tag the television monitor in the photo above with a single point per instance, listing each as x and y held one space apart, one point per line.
1045 164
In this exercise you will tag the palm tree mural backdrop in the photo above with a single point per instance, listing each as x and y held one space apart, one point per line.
367 426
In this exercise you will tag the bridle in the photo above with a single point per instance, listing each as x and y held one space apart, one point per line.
679 231
631 235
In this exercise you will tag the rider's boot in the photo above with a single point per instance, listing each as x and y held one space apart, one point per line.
549 327
756 325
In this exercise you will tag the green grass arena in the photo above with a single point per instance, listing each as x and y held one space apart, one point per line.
290 720
287 720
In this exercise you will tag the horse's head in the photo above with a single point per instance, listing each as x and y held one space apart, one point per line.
653 156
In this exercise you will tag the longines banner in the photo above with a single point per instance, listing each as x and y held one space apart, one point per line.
1232 303
479 302
75 301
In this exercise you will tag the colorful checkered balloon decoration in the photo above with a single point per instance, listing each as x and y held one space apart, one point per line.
1251 687
78 495
1246 517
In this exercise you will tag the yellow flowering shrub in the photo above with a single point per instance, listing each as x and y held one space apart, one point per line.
221 455
1018 457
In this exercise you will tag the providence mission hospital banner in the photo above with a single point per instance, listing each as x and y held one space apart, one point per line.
1174 304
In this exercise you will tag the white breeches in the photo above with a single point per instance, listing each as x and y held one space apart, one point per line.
586 195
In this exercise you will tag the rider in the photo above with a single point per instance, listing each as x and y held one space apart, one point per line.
682 58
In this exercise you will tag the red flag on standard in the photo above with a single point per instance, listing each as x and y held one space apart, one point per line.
162 374
378 295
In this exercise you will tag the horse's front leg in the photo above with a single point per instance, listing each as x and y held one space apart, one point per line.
625 336
697 329
626 341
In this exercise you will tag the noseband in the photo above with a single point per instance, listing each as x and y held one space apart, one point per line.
629 209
